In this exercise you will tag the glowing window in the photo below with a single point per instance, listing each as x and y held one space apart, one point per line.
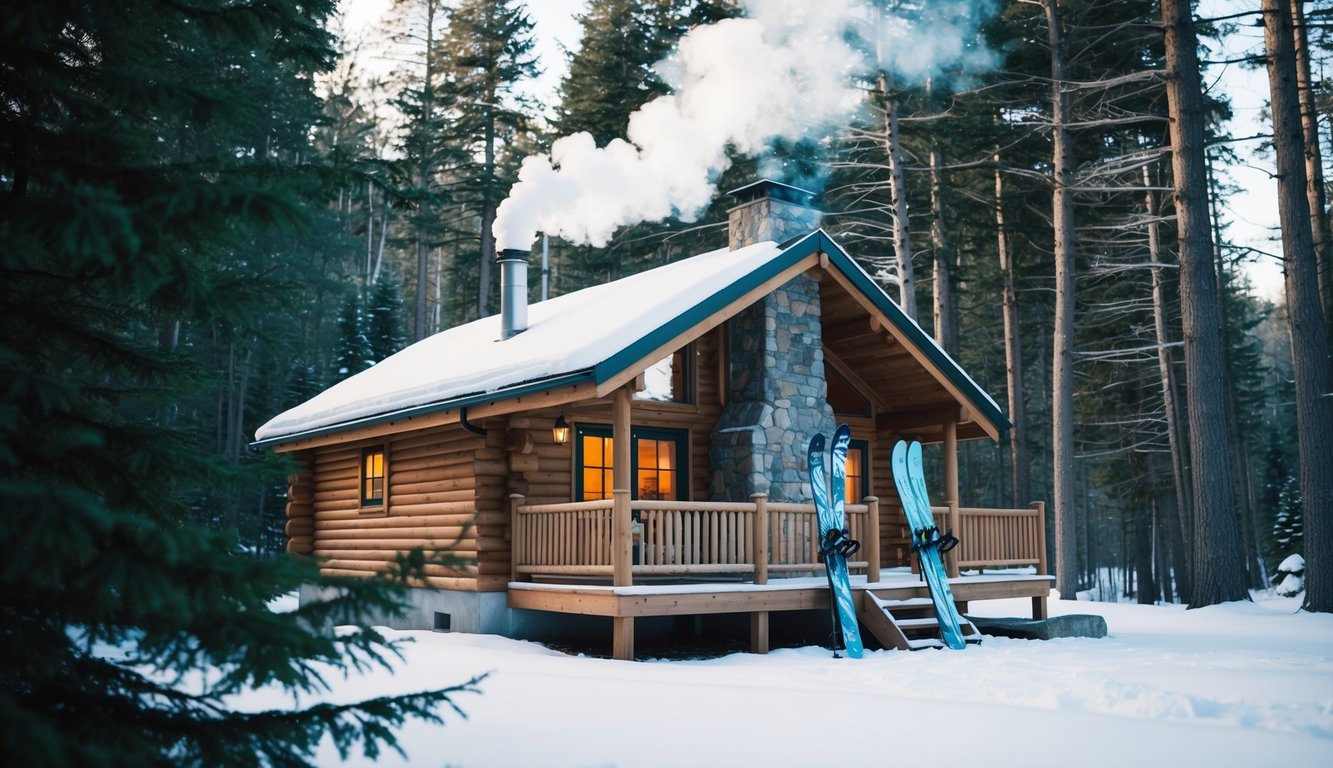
372 477
656 460
856 471
597 466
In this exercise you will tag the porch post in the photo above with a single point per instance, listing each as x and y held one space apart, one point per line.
872 538
1039 602
622 627
951 483
759 553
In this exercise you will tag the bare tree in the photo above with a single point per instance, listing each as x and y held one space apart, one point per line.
1217 558
1309 336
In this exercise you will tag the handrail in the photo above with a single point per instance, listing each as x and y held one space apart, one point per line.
752 539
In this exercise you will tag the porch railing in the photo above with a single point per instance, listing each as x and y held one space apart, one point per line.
700 538
680 538
995 538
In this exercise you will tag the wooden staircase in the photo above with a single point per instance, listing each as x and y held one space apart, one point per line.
909 624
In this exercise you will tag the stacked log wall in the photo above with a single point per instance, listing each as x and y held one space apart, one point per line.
300 526
431 502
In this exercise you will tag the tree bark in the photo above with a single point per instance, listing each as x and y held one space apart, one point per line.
902 234
1309 335
1217 558
1314 167
487 211
1013 354
946 310
1062 367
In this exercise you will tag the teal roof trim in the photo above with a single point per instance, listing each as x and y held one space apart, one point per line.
793 251
980 400
507 393
692 316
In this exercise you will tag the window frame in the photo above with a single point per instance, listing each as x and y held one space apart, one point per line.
373 504
681 437
690 381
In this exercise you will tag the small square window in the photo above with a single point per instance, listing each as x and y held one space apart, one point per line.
372 477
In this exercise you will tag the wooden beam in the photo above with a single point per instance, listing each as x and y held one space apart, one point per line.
918 354
622 638
906 422
849 373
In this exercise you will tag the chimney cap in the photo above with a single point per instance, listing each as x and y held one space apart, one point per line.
513 254
774 189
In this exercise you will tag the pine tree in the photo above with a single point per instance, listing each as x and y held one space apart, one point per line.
1288 530
139 171
490 48
353 353
384 327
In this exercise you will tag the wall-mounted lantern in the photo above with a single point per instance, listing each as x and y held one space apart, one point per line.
560 431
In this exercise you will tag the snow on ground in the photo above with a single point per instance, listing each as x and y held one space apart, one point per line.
1233 685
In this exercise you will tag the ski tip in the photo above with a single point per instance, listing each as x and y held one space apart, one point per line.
817 443
900 452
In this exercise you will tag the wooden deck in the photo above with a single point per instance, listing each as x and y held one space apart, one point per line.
625 603
626 558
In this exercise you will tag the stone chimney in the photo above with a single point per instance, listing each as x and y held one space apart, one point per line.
776 391
513 292
770 210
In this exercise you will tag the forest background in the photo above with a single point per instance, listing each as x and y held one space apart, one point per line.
433 106
211 213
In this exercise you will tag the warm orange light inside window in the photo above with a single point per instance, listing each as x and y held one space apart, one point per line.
372 477
855 475
657 471
598 460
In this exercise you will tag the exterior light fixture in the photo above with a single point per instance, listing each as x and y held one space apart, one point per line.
561 430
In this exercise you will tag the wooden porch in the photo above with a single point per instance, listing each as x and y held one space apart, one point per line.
624 558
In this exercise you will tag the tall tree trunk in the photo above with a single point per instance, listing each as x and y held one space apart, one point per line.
487 213
1309 334
423 182
902 233
1314 167
946 309
1013 353
1177 444
1217 576
1062 368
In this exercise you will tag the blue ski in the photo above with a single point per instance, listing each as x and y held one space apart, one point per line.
835 543
926 539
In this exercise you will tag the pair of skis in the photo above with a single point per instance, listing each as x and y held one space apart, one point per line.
835 542
927 539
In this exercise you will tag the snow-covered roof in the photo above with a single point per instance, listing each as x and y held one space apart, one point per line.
591 335
566 335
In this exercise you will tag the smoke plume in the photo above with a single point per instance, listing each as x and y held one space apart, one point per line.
787 70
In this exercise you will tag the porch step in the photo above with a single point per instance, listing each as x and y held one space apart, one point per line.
900 624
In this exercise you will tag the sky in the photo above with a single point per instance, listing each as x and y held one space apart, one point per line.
1252 212
1240 684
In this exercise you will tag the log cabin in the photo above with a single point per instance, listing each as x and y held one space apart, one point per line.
635 450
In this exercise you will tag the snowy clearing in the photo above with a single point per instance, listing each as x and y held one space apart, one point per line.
1239 684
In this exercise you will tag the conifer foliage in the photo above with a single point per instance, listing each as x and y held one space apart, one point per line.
138 167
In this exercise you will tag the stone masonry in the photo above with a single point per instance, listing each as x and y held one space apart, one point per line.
777 394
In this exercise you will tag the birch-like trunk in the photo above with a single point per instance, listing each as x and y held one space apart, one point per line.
1013 353
1179 528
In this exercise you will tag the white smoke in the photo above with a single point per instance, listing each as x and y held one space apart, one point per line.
784 71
